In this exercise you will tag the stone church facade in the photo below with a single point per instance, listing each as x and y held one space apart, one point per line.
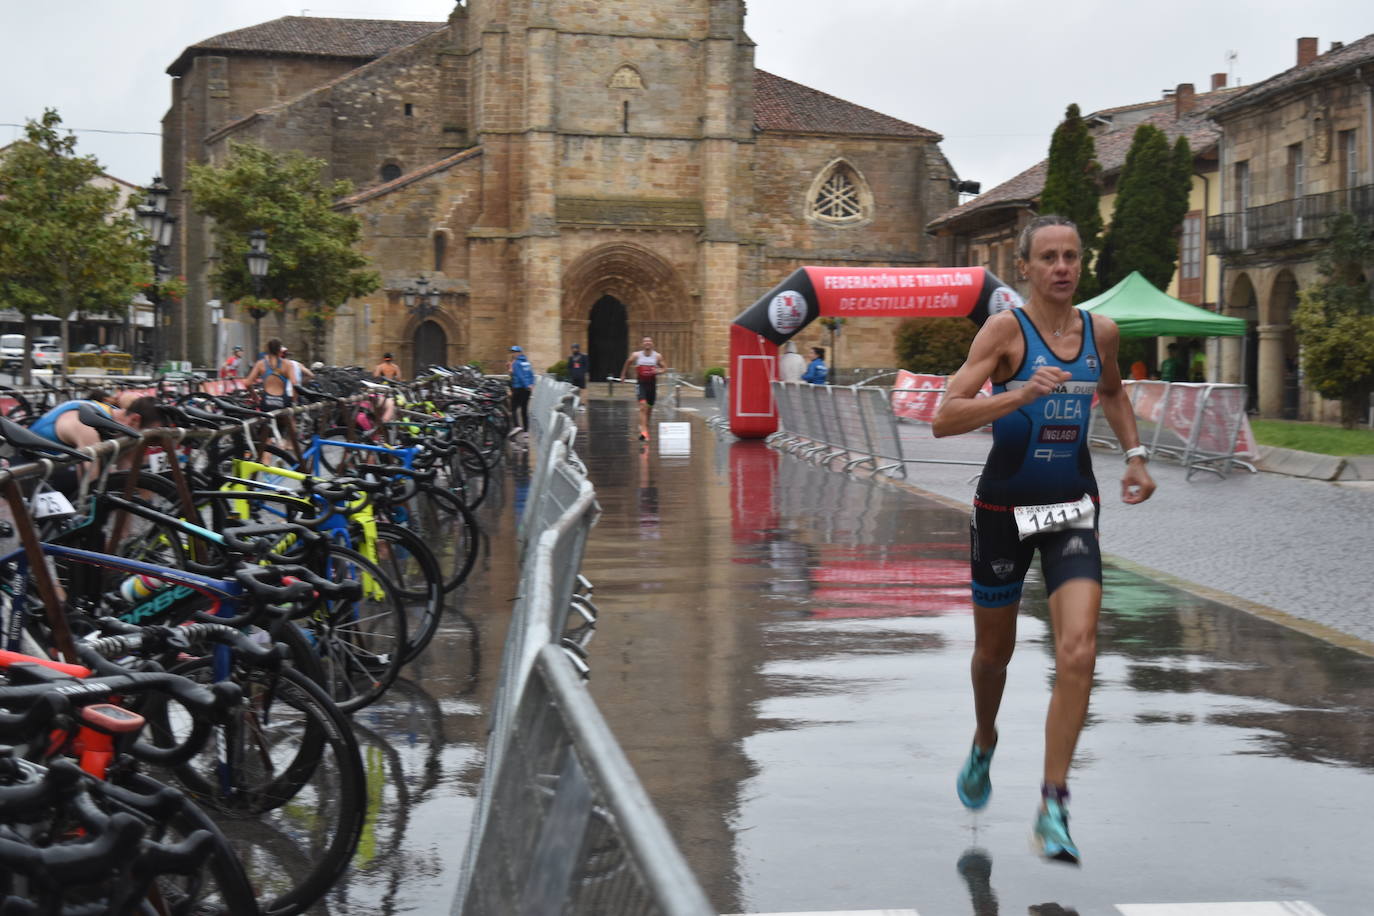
559 172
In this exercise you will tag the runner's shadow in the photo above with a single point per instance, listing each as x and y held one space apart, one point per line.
975 867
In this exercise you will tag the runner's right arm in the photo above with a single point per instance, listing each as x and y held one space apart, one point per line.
962 410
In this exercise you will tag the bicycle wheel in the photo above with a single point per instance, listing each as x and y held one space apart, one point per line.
442 521
16 407
412 567
286 764
464 471
141 538
220 886
361 642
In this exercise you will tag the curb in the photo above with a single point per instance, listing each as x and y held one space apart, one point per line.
1293 463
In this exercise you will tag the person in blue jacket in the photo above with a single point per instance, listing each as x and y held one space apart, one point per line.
521 384
816 373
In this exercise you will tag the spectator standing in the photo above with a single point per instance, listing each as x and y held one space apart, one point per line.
1197 367
387 369
816 372
1172 369
521 383
578 364
791 364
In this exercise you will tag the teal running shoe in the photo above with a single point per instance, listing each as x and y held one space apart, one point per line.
975 783
1051 836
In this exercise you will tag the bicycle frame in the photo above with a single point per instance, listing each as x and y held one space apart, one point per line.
312 455
359 512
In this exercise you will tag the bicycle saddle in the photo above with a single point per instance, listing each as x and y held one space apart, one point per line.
27 441
96 418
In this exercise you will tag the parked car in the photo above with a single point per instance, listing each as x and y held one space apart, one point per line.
46 356
11 351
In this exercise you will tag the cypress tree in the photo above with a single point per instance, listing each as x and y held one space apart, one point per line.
1151 201
1071 189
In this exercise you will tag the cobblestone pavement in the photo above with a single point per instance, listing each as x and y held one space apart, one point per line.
1291 549
1289 545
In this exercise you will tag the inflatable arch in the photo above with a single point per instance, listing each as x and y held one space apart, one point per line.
843 292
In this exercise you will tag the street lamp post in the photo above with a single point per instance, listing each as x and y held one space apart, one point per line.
258 259
420 300
159 226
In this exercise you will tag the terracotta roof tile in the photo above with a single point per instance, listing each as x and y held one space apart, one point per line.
780 104
1111 145
1328 64
1022 189
311 36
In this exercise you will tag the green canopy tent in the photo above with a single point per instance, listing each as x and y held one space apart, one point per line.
1141 310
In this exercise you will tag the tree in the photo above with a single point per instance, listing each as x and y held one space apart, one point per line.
1334 320
1072 179
935 346
311 244
65 244
1151 201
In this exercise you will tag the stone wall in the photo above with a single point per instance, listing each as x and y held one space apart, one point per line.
661 92
1315 118
899 174
675 205
399 232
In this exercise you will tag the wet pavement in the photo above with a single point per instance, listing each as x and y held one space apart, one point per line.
783 654
423 743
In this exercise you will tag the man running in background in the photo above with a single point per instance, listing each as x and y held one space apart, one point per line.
648 366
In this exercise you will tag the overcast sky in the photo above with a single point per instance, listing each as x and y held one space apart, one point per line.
992 76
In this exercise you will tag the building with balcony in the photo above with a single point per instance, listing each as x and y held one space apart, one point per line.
983 231
1295 152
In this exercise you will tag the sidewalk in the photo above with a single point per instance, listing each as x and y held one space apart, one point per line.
1291 549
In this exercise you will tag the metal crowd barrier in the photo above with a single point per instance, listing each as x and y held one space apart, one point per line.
549 395
562 824
1200 425
553 408
576 834
854 424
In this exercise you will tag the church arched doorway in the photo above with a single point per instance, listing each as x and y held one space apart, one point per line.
431 346
608 341
618 292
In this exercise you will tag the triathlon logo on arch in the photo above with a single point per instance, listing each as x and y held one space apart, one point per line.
1003 298
787 312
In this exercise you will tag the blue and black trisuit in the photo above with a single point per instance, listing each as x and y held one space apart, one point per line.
1039 456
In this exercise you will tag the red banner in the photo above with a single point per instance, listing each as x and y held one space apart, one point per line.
917 397
901 292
